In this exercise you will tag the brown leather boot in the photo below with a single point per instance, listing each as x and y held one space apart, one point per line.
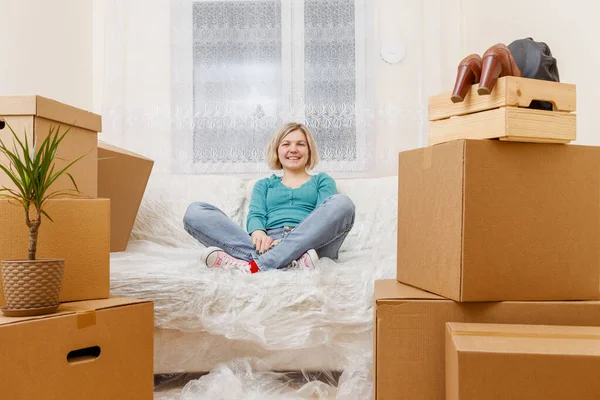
469 71
497 62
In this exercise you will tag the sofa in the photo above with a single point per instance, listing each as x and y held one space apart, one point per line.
291 320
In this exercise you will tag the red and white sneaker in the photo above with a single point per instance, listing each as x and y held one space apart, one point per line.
306 260
215 257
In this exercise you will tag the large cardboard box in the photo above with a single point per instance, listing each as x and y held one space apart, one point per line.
35 115
484 220
80 234
100 349
122 178
499 361
409 329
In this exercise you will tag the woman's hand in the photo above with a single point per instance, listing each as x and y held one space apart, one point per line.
261 241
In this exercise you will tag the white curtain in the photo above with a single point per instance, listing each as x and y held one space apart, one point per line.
200 85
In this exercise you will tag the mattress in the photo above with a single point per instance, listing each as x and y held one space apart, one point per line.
292 320
201 352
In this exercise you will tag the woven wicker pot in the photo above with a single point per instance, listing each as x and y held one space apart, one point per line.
31 287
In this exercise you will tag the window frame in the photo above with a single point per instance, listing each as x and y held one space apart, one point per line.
292 90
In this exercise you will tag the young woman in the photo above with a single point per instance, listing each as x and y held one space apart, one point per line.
292 221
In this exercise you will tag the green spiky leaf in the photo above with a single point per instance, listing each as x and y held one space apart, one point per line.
47 216
32 170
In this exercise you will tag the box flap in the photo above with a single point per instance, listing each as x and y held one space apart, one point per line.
50 109
75 307
525 339
524 331
17 105
112 148
15 320
60 112
390 289
122 177
100 304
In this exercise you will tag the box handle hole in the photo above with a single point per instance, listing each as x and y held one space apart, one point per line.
539 104
83 355
2 124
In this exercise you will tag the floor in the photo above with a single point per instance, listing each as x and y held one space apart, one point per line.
169 387
173 394
168 394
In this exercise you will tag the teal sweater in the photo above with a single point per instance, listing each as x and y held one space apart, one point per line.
274 205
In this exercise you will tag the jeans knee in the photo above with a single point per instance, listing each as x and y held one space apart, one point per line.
194 210
343 204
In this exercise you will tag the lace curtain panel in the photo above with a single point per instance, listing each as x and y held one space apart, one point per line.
258 64
237 80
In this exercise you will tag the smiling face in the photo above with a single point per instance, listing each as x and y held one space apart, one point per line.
293 151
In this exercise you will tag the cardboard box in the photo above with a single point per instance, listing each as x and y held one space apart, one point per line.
35 115
80 234
100 349
504 113
409 329
484 220
498 362
122 178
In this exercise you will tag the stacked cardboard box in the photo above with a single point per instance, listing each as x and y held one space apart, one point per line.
489 231
94 346
410 326
81 231
95 349
488 361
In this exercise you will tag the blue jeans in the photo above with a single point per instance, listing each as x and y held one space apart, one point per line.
324 230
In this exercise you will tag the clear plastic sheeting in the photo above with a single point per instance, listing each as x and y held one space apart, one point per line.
201 352
291 309
251 379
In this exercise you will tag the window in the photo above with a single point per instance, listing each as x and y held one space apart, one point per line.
241 68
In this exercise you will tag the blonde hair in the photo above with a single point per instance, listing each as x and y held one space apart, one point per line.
277 138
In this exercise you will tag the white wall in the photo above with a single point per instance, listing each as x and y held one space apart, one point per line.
46 49
399 90
136 82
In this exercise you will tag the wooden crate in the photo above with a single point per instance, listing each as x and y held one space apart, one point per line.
504 114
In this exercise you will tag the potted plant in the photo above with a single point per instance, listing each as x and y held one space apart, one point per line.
32 286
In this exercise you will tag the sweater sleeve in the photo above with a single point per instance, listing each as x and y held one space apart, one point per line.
325 187
257 211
